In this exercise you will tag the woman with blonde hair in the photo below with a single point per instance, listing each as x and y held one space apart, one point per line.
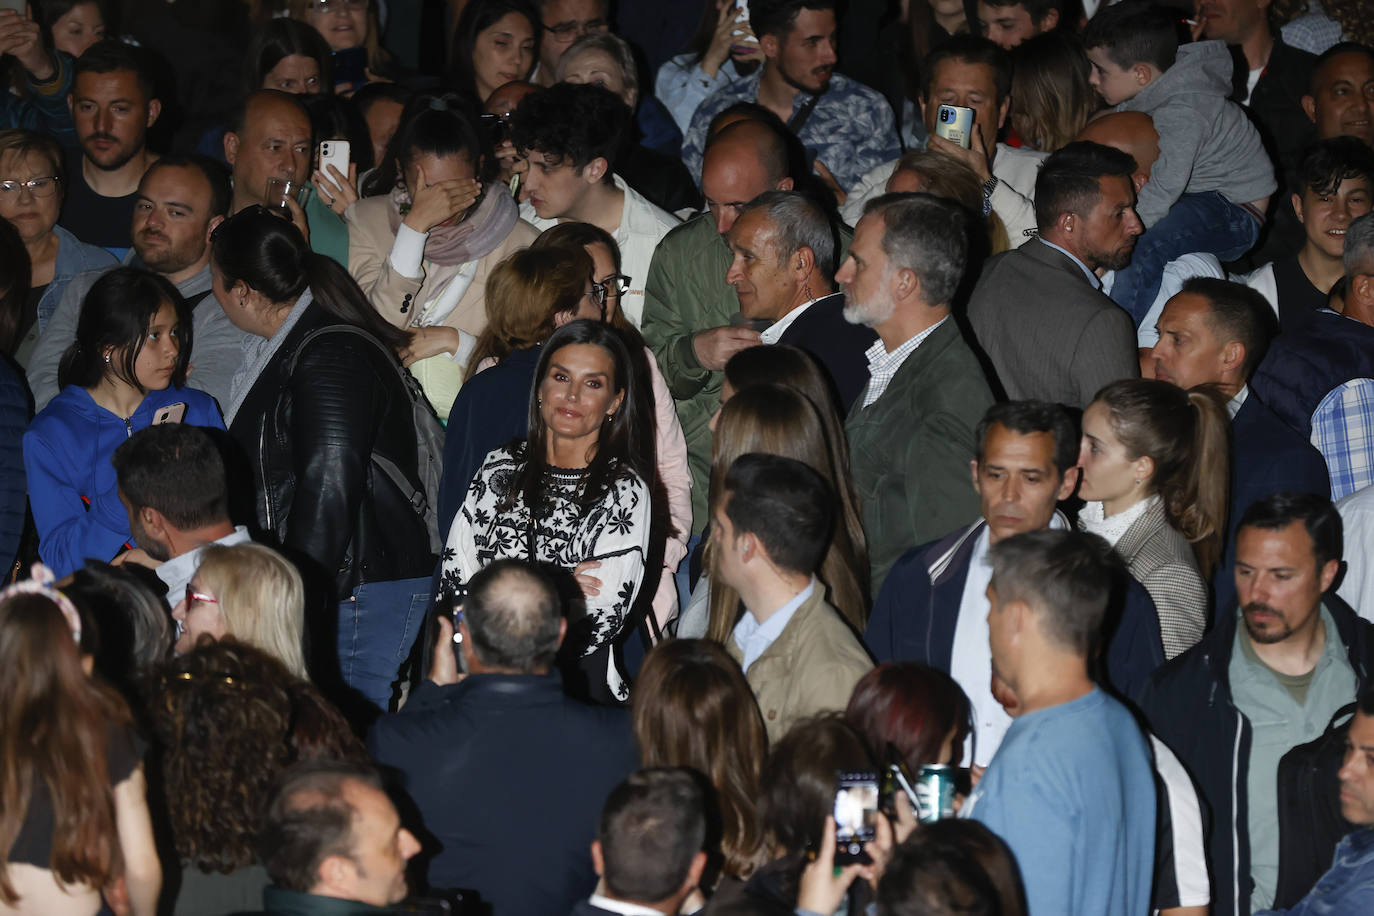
947 177
1155 465
250 592
692 707
781 421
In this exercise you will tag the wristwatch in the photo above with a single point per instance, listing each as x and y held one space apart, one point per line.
988 187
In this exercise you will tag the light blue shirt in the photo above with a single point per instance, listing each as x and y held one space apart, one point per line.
754 638
1071 790
1093 278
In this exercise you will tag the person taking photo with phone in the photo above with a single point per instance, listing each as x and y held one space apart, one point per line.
124 372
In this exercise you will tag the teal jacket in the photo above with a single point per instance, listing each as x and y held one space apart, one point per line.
686 293
909 451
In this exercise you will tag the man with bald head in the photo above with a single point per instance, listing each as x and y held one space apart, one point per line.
1340 95
687 302
271 138
1133 132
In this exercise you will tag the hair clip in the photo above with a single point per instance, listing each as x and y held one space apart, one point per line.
41 583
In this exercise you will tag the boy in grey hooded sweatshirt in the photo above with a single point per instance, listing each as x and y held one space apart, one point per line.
1210 185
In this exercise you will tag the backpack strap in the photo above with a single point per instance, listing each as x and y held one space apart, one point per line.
419 500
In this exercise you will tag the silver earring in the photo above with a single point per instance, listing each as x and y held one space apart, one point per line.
107 357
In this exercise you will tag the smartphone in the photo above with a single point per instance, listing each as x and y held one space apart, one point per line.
335 153
172 413
349 66
456 618
742 16
856 815
955 124
897 778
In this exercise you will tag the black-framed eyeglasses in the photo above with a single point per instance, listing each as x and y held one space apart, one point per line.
599 293
618 282
46 186
566 32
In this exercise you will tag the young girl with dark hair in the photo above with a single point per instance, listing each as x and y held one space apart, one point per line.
125 371
322 411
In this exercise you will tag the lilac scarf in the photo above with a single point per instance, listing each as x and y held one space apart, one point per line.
485 227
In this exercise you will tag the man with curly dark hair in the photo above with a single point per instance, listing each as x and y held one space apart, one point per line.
572 135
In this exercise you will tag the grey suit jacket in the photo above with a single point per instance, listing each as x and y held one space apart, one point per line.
1162 560
1048 333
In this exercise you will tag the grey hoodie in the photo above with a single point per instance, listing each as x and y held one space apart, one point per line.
1206 142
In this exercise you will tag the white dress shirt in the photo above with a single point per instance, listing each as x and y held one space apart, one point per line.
774 331
624 907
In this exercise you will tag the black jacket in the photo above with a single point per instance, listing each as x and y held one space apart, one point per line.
839 346
509 775
1189 706
310 435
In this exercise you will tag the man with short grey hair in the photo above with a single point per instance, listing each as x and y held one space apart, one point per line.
783 255
911 433
486 754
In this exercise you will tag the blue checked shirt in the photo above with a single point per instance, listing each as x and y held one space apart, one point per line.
1343 431
851 129
883 366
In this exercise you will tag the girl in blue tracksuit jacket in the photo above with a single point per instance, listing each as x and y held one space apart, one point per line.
124 372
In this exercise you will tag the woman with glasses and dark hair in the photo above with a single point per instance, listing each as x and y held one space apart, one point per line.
350 29
426 236
573 495
32 182
124 371
323 411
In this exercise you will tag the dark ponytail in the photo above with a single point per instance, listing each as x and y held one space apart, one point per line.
270 255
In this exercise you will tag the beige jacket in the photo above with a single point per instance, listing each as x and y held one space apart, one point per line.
811 667
369 261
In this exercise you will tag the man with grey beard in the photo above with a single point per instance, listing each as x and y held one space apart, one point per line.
1265 680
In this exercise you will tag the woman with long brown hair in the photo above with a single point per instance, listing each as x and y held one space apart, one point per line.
781 421
1155 461
692 707
73 811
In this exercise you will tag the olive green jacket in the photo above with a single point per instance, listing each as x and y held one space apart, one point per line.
685 294
909 451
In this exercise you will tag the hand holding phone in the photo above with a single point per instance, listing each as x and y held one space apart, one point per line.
955 124
856 815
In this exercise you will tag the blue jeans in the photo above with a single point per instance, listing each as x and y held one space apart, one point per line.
1196 222
377 627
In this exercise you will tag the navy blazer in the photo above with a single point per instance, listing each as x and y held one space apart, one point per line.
836 344
1268 457
915 615
507 773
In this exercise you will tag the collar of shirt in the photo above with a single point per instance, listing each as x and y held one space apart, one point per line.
623 906
775 330
883 366
1234 405
1093 278
179 570
754 638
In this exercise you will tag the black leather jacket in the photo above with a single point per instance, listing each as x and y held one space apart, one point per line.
309 436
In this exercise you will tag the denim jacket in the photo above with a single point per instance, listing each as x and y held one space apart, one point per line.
1348 887
73 257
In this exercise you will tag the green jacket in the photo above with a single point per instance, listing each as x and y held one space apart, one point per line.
278 902
684 294
909 451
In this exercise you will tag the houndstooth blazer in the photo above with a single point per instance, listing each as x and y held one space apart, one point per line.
1162 560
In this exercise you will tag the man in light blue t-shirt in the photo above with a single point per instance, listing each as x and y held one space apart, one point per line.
1071 788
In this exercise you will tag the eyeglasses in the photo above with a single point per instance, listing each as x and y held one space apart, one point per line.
618 282
565 32
326 7
599 292
38 187
192 596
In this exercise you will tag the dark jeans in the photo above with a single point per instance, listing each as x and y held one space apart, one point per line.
378 625
1196 222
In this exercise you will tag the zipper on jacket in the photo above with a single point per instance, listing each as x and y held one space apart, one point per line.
128 428
262 469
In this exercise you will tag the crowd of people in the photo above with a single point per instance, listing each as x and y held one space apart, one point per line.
530 457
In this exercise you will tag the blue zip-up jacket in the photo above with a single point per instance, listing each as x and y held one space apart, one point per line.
72 485
1347 888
